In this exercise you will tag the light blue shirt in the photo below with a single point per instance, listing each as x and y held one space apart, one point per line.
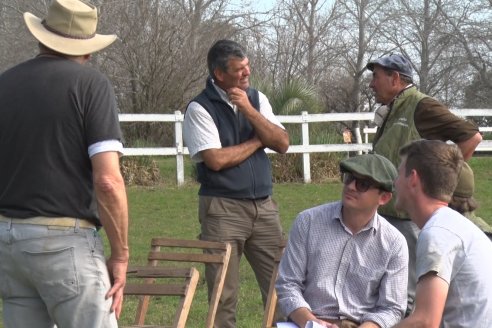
461 254
339 275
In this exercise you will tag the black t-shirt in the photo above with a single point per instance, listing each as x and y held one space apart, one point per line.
51 110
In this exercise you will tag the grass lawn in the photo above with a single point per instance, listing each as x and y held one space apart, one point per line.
172 212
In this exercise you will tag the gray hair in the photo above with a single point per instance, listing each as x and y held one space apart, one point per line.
220 53
404 78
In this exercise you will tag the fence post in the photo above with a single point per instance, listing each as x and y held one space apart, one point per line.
178 126
306 160
358 138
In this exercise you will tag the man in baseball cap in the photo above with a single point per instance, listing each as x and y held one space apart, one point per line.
407 114
394 62
344 264
60 182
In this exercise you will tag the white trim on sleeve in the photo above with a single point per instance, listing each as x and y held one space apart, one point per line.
106 145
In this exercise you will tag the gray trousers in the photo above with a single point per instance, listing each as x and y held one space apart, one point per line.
53 275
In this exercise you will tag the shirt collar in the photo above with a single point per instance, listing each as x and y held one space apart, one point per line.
371 225
222 93
411 85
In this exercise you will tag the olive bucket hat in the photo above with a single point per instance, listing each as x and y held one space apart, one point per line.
466 182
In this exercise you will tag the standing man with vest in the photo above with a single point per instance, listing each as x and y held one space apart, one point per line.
406 115
60 180
226 128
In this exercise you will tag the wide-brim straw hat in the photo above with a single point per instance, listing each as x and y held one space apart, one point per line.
69 28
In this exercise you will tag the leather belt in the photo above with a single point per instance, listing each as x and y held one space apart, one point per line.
256 199
55 221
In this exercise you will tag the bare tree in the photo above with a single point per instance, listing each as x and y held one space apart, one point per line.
16 43
160 62
300 33
427 35
472 31
359 35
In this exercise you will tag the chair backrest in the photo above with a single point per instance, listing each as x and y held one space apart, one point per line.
195 251
147 282
271 303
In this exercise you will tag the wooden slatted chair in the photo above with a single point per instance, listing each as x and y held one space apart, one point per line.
193 251
271 303
179 282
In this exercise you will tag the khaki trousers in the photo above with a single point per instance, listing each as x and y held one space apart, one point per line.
344 323
253 228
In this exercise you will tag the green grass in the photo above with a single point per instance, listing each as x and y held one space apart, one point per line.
167 210
172 212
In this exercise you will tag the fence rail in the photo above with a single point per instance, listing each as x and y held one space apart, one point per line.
305 148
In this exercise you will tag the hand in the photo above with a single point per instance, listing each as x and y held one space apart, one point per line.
257 140
238 97
117 274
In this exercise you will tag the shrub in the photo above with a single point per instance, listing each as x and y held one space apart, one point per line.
141 170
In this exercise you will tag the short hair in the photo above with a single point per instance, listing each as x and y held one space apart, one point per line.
438 165
220 53
405 79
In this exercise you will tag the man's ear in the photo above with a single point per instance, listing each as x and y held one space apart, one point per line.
219 74
414 178
395 78
385 197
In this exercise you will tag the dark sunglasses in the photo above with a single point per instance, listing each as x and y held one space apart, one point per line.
361 184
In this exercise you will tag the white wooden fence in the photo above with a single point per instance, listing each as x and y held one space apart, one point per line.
360 145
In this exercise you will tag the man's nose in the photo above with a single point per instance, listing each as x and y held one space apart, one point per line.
247 71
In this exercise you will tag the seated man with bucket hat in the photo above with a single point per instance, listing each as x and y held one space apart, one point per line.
344 264
463 201
60 180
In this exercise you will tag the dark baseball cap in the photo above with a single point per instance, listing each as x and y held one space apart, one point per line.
376 167
395 62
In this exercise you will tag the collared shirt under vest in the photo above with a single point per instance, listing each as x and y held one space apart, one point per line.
251 179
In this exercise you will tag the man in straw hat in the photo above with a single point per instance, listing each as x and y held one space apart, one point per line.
60 180
344 265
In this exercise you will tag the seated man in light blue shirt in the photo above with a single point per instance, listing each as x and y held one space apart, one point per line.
454 257
344 264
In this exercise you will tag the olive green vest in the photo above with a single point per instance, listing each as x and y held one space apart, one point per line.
479 222
397 130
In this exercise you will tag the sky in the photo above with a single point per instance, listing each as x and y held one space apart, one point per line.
260 5
263 5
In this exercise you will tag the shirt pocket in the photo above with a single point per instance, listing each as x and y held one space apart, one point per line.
365 280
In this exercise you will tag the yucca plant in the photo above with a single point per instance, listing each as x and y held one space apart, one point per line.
292 98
